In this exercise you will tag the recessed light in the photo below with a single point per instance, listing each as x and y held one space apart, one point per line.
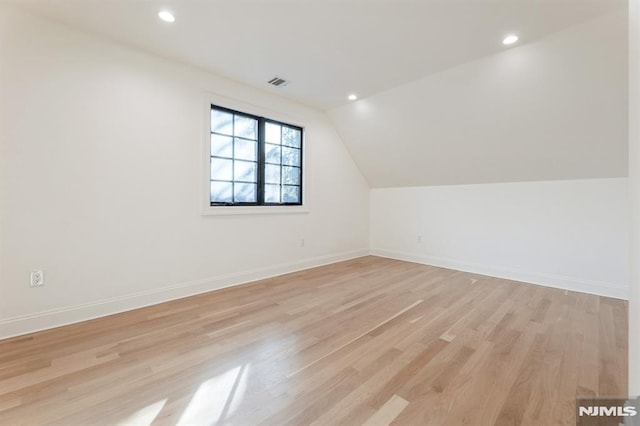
352 97
510 39
166 16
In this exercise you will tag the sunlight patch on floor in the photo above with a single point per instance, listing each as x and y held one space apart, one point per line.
217 398
144 416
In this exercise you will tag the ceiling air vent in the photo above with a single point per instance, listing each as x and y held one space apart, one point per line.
278 82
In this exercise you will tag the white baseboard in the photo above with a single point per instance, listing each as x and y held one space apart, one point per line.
17 326
25 324
566 283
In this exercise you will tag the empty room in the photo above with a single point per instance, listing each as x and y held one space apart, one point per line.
319 212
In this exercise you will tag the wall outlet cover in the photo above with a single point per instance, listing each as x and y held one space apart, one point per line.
37 279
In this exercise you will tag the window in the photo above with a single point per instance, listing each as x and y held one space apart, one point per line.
255 161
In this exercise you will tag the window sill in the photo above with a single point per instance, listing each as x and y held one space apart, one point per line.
253 210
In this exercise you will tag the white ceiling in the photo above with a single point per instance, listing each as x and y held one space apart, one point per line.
548 110
326 48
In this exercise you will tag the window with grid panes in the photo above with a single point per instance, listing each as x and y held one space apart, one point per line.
254 160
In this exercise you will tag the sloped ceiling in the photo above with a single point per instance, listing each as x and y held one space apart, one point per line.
326 48
552 109
442 101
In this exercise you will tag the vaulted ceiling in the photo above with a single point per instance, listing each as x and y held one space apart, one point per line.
325 48
441 99
555 108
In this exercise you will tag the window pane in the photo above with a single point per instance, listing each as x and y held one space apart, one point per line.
290 136
272 153
290 194
221 169
272 174
290 156
244 193
221 122
244 171
239 159
272 133
291 175
221 146
221 192
246 127
272 193
245 150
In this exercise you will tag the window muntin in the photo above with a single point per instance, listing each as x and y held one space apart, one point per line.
254 160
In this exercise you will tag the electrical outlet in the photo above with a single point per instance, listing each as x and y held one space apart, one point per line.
302 242
419 238
37 279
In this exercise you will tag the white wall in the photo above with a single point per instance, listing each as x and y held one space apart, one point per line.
551 109
101 158
634 179
100 166
567 234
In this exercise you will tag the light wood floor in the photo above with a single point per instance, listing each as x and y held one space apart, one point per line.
370 341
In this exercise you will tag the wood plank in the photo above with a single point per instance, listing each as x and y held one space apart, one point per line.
388 412
368 341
